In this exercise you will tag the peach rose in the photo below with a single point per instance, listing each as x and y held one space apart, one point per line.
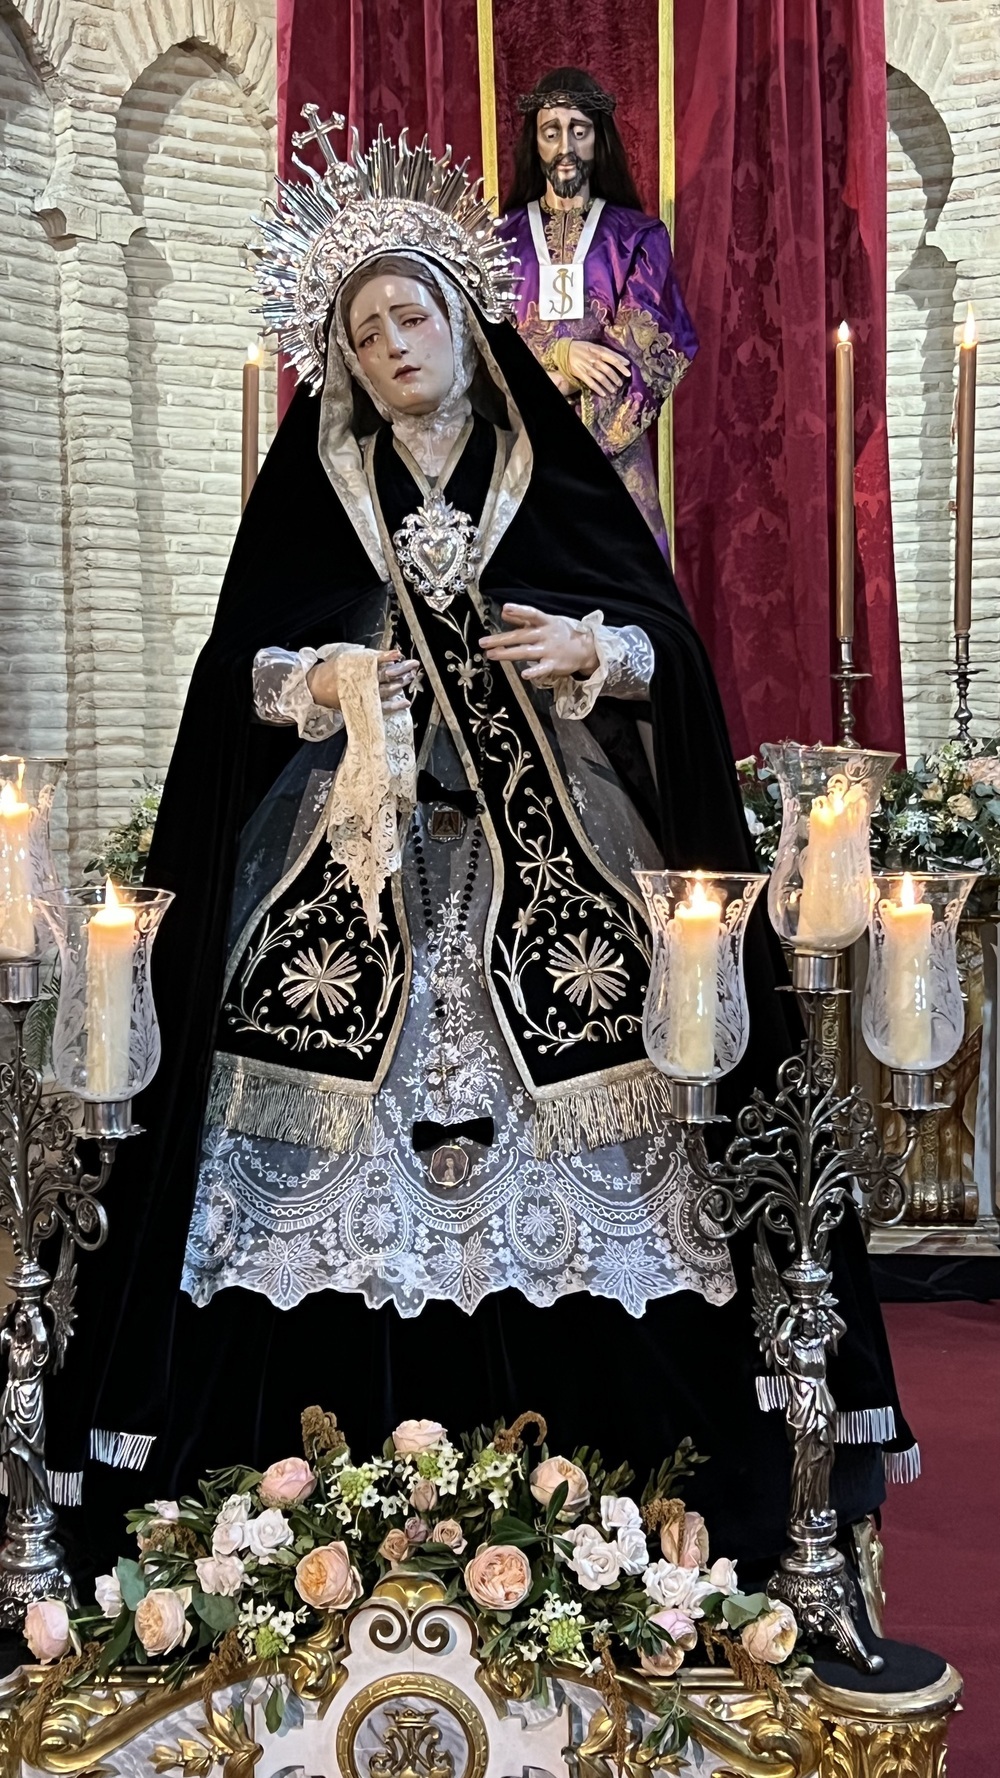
683 1635
46 1629
498 1577
686 1545
414 1436
287 1483
325 1578
550 1475
161 1621
424 1498
395 1547
772 1637
449 1532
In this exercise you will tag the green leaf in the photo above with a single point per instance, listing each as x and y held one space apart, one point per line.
274 1710
217 1610
132 1581
556 1505
117 1643
742 1608
507 1529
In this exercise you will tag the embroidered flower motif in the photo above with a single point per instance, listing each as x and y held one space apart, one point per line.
600 973
309 978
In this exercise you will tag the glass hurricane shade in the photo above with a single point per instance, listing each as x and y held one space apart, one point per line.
819 897
106 1040
27 788
913 1014
696 1021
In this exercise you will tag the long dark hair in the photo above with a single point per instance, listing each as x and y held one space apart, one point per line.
610 179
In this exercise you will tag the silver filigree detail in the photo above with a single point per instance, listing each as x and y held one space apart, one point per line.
437 548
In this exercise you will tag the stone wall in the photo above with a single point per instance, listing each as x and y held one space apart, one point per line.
944 251
135 141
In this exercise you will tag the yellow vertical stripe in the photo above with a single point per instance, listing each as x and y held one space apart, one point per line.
488 101
668 193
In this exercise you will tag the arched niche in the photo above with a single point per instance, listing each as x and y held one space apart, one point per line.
195 161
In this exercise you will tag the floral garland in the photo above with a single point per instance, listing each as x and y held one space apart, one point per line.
553 1560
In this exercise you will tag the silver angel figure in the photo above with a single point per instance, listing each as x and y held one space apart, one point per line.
24 1341
796 1337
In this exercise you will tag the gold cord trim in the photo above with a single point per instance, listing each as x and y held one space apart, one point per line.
279 1108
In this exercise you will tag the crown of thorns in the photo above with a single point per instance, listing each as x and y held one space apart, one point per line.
546 98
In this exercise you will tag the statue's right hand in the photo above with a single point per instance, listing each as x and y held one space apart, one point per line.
395 676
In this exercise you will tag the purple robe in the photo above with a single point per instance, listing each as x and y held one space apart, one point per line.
635 307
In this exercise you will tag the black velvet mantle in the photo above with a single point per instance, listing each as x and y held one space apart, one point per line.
226 1383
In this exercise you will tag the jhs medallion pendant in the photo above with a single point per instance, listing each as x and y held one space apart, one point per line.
560 292
437 549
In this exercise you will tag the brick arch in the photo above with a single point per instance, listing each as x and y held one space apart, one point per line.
31 23
222 28
919 45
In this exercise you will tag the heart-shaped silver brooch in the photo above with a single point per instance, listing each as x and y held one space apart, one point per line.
437 549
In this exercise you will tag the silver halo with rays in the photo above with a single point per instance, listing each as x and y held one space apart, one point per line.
391 199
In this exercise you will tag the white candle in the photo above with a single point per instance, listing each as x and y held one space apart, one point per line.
833 911
17 913
110 943
907 963
693 985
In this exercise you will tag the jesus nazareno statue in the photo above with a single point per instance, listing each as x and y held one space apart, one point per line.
406 1155
598 303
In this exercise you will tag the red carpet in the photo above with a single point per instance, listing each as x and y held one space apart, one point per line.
942 1535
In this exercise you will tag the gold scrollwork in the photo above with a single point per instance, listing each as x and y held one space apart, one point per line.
416 1687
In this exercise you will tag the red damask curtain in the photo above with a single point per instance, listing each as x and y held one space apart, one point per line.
780 233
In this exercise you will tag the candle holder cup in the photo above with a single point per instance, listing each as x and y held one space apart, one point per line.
913 1014
106 1040
696 1021
27 872
819 897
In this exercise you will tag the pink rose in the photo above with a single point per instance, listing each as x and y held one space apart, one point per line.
220 1574
46 1629
550 1475
449 1532
424 1498
417 1530
161 1621
683 1635
395 1547
287 1483
414 1436
325 1578
686 1545
771 1638
498 1577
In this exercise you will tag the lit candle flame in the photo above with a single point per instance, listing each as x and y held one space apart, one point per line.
699 901
843 333
970 335
10 802
907 894
112 899
255 352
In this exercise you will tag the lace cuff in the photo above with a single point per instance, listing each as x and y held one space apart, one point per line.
281 695
625 663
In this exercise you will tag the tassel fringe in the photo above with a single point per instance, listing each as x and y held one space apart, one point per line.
65 1485
902 1466
856 1426
602 1116
121 1450
280 1108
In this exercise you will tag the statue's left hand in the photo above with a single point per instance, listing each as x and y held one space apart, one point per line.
553 646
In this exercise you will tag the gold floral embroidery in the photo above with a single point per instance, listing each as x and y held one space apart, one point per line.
329 977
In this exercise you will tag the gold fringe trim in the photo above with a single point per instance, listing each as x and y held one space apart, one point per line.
276 1106
602 1116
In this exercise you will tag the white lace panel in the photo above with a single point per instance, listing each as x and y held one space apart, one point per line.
281 695
375 783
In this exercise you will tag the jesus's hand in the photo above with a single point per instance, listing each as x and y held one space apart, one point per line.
554 646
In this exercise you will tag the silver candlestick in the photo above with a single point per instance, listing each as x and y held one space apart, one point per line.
43 1192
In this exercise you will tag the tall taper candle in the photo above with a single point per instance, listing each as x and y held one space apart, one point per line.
845 483
251 417
110 945
966 430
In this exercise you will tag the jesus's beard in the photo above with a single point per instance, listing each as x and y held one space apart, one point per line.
567 185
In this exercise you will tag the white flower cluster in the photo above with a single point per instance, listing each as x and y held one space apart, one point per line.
260 1535
281 1625
492 1472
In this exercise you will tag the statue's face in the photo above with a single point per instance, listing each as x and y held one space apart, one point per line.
566 141
403 343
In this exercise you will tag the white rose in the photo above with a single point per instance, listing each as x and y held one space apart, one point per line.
595 1562
220 1574
413 1436
46 1629
234 1511
167 1511
722 1575
227 1539
108 1594
270 1531
633 1551
680 1589
619 1513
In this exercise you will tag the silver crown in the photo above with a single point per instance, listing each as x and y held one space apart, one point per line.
392 199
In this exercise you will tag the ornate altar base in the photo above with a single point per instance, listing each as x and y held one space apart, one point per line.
397 1691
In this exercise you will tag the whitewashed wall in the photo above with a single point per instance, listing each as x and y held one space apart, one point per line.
135 141
944 250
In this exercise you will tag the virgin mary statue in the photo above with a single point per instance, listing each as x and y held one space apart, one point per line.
406 1155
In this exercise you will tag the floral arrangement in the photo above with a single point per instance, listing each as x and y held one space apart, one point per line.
126 848
554 1560
943 813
